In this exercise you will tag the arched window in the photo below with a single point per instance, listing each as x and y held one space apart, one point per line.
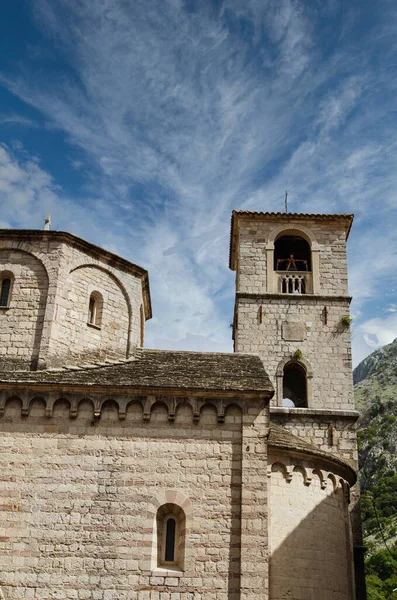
6 281
292 253
293 265
95 307
171 529
294 386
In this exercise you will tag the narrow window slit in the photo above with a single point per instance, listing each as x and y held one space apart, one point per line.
170 540
5 292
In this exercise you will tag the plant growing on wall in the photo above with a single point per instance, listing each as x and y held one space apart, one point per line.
298 354
346 321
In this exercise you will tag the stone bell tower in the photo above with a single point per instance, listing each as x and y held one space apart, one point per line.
292 309
292 304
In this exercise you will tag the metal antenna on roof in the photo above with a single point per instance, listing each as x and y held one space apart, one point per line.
47 222
286 201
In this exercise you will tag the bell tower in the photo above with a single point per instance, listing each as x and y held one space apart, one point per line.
292 304
292 309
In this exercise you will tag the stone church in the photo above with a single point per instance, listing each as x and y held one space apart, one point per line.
136 474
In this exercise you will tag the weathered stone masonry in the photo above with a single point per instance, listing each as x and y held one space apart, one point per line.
55 273
135 474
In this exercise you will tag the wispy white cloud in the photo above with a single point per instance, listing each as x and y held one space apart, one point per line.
374 333
183 115
13 119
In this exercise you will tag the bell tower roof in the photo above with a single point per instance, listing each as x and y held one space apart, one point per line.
282 218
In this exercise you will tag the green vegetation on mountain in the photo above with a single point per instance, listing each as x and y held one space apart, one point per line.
375 381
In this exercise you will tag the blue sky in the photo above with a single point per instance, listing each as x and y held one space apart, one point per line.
140 124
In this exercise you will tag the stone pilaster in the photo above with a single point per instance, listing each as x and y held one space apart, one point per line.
254 526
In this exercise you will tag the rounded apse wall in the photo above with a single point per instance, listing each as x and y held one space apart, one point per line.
309 534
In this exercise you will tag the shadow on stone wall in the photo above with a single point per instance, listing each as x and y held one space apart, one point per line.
311 555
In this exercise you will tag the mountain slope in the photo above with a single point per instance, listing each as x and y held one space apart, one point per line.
375 393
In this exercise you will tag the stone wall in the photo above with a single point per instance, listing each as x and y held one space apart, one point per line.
256 237
73 335
77 497
21 323
276 327
310 541
53 281
328 432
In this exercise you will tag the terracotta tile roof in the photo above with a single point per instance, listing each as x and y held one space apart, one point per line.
161 369
283 216
280 437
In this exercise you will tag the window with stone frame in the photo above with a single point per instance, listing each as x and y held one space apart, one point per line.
6 284
95 309
171 533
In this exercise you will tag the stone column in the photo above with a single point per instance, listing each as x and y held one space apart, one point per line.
316 268
269 269
254 523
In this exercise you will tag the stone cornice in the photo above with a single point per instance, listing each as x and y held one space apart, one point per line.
292 298
26 396
314 412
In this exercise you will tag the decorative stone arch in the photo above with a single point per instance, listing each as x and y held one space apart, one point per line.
302 362
49 267
296 229
82 263
306 234
166 498
278 466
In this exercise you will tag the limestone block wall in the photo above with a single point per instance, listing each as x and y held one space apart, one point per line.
256 237
78 498
54 275
72 335
309 533
330 432
72 339
276 327
21 323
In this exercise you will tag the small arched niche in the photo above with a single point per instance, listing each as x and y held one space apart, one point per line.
171 533
95 309
294 386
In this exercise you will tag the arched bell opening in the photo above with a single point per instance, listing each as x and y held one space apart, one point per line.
292 264
294 386
292 253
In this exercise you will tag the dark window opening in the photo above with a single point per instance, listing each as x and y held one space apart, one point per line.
5 291
292 253
92 311
294 386
170 540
